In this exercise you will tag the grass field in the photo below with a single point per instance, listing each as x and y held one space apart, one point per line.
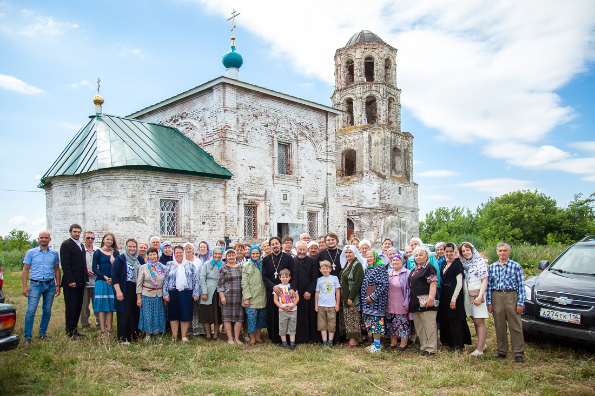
95 366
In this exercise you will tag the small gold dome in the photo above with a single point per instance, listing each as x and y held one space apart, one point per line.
98 99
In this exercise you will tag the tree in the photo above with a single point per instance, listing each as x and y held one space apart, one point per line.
577 220
444 224
17 240
520 216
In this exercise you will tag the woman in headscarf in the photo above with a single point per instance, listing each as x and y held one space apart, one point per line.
180 288
124 277
313 249
155 242
364 247
454 330
351 276
166 252
476 283
397 307
204 252
422 294
210 312
197 326
149 295
229 287
373 297
254 295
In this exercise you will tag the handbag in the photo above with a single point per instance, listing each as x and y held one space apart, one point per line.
473 294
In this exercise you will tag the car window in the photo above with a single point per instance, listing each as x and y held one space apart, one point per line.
578 260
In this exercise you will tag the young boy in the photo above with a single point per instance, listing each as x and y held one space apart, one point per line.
326 302
287 309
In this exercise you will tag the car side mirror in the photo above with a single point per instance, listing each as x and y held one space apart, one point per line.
543 264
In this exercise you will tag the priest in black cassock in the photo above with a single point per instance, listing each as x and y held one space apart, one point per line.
333 255
272 264
307 275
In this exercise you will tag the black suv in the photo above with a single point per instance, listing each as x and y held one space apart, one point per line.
560 301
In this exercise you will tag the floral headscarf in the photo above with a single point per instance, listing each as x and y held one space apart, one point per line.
377 261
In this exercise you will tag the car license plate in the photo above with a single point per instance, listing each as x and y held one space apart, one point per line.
560 316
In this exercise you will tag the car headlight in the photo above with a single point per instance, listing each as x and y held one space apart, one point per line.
528 291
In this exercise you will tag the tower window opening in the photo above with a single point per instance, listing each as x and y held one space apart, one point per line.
349 111
349 162
350 71
371 110
396 161
391 113
369 69
387 73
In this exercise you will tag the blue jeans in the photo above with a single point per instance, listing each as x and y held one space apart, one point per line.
36 291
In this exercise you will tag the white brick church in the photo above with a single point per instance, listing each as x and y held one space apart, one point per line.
232 159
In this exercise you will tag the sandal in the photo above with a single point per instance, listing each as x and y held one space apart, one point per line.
260 342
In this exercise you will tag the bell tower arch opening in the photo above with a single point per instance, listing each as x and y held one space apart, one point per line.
349 112
369 68
350 71
371 110
349 162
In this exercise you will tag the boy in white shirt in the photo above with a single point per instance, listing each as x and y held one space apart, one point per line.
326 302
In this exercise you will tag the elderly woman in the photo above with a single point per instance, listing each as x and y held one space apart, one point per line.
197 326
149 295
124 277
142 250
254 295
103 302
229 287
373 297
155 242
312 247
476 283
210 311
204 252
354 241
351 276
454 330
397 307
239 248
166 252
364 247
422 292
180 289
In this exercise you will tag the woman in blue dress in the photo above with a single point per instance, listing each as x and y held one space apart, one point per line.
149 295
103 303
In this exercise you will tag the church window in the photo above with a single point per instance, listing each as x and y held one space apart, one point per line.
284 155
313 223
387 71
396 160
349 111
371 110
369 69
349 162
168 221
391 112
350 228
250 221
350 71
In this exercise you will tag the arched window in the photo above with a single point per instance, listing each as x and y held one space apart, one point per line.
349 111
349 162
387 71
369 68
371 110
350 228
391 112
350 71
396 160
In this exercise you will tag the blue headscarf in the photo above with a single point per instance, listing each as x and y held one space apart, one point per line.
207 256
257 262
219 263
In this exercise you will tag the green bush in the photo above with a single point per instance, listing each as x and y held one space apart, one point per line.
528 256
12 260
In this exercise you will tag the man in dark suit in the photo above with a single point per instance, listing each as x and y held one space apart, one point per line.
74 279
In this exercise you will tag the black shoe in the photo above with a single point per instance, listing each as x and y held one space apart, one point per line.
27 341
402 349
285 346
426 353
292 347
418 351
44 338
208 339
80 334
519 359
75 337
499 356
330 344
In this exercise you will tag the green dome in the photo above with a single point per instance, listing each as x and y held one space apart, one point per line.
232 59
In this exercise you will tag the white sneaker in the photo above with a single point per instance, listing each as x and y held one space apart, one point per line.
185 339
485 346
372 349
476 353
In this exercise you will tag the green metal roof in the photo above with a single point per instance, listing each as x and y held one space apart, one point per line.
108 142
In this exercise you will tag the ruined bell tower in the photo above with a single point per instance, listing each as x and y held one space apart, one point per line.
374 158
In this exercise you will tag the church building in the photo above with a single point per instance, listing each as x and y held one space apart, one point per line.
232 159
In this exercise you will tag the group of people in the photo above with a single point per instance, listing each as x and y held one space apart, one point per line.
307 292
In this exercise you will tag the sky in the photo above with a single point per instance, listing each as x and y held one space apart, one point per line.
499 95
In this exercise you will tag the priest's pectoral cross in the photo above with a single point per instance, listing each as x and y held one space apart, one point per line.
275 274
334 266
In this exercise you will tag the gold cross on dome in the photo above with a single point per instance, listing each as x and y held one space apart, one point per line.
234 14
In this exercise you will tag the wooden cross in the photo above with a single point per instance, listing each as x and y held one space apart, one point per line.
234 14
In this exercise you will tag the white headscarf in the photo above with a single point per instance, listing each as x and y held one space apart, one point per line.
197 263
475 268
358 256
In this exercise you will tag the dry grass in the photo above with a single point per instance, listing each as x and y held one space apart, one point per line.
97 366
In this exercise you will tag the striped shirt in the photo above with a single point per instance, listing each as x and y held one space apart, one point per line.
508 276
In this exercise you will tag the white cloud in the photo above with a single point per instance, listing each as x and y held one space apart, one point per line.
437 173
584 146
37 177
82 83
18 221
39 26
70 126
499 186
39 223
11 83
476 71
